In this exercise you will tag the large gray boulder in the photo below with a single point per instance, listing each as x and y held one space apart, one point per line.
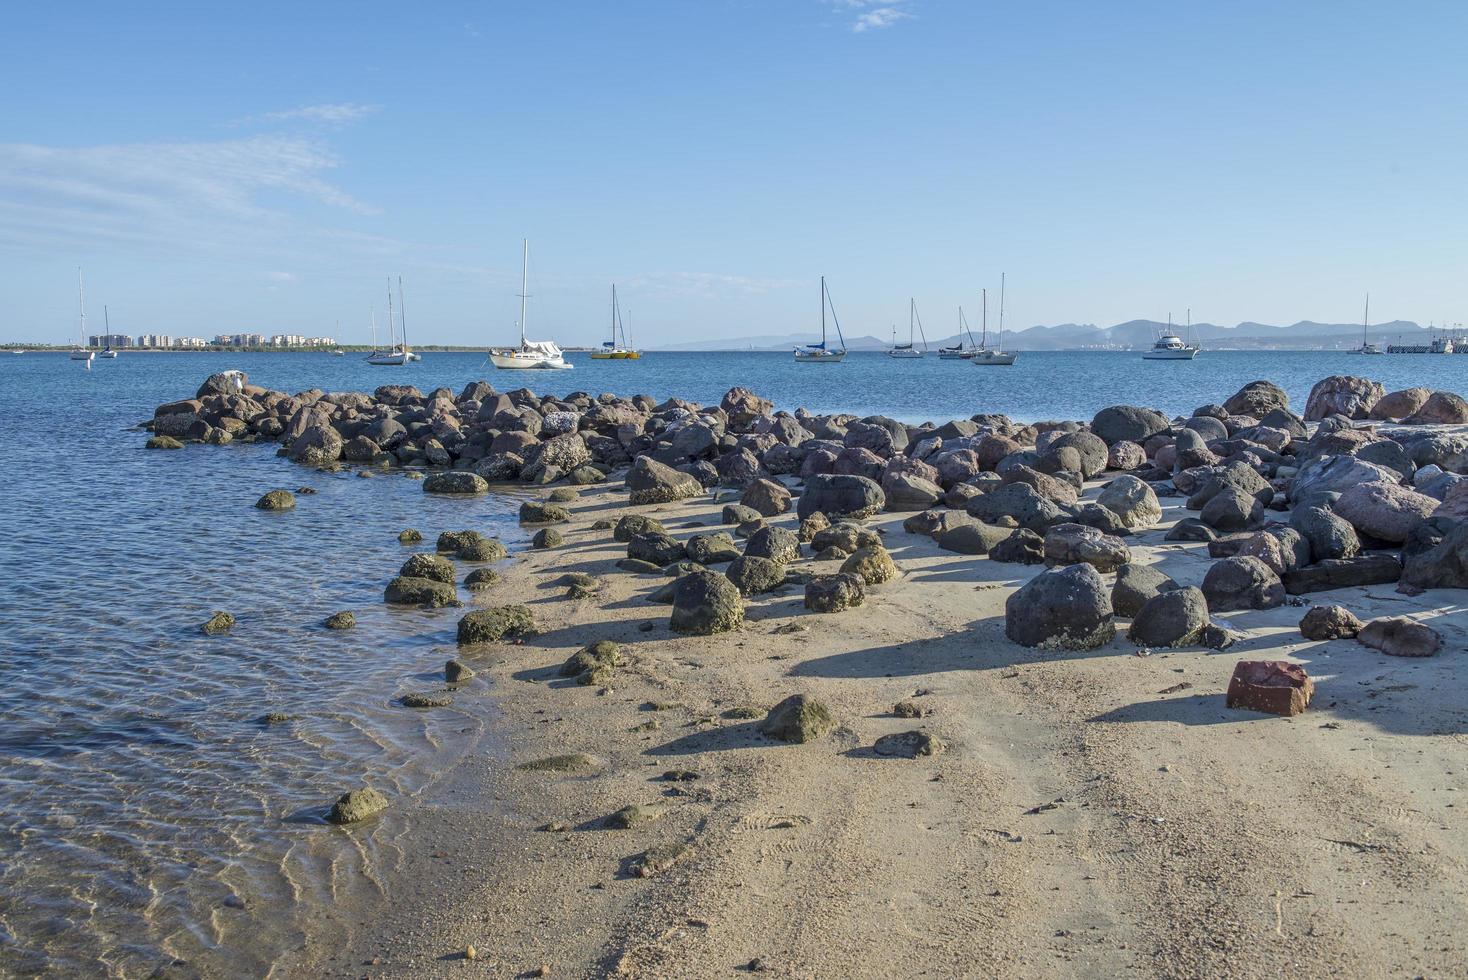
1441 408
1231 509
705 603
318 445
775 543
1132 500
1129 423
1387 511
1019 501
1242 582
1257 398
1063 609
1342 395
1170 619
455 482
970 538
908 492
1435 555
651 482
1336 474
1089 447
1399 404
767 497
1136 585
1070 544
841 497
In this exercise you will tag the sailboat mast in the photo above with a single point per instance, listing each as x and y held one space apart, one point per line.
524 270
984 329
403 312
81 302
1365 319
1001 310
911 312
391 321
823 311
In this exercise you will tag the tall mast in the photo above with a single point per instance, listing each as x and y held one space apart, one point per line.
1001 311
1365 319
911 312
614 315
823 311
984 333
524 268
403 312
81 302
372 312
391 322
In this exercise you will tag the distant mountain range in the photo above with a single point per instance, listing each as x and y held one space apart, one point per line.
1134 335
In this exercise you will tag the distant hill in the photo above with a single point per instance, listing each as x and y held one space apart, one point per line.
1131 335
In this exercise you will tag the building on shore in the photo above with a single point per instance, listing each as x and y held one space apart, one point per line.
154 341
113 340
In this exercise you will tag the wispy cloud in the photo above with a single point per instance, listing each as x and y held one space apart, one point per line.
873 15
282 276
325 114
181 195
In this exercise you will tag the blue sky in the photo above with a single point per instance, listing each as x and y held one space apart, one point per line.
266 166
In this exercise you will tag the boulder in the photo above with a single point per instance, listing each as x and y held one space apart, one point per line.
480 548
1342 395
1022 547
277 500
833 593
1327 534
811 526
406 591
738 514
1128 423
658 549
546 537
318 445
1136 585
705 603
1190 529
1132 500
1440 559
872 565
495 623
1070 544
1398 636
1125 455
535 512
1242 582
1019 501
712 548
163 442
775 543
1329 623
970 537
1281 548
1441 408
1399 404
1274 687
428 566
1231 509
1235 476
630 525
1256 398
218 624
752 575
841 497
1386 511
1089 448
1065 608
1336 474
1170 619
1054 489
455 482
908 745
1339 573
799 718
846 536
356 805
908 491
651 482
766 498
340 621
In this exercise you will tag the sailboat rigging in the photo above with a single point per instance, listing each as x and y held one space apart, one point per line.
81 352
820 353
541 355
1366 347
610 349
395 354
107 350
997 356
960 351
907 349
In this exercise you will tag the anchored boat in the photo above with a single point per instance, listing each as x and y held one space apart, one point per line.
81 352
961 351
907 349
536 355
820 353
610 350
997 357
1170 347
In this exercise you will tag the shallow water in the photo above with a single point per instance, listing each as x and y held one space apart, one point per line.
145 814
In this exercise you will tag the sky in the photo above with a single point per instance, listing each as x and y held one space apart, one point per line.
266 167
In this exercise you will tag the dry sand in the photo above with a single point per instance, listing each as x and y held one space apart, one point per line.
1097 813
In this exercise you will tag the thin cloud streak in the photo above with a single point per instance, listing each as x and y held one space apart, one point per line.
324 114
873 15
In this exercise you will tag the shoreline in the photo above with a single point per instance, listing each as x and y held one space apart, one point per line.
1091 809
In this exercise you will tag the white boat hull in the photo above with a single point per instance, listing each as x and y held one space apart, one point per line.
515 360
904 353
1185 354
81 355
820 357
955 355
992 358
108 353
387 360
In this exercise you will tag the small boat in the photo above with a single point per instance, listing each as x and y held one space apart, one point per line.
1170 347
610 350
907 350
531 355
1367 347
996 357
81 352
820 353
107 350
396 353
960 351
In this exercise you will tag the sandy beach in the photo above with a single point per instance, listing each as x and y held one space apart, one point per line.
1094 812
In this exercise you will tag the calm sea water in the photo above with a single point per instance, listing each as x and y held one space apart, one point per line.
145 814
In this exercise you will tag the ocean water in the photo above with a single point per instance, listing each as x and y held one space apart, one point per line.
146 815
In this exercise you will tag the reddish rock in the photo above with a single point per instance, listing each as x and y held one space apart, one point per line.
1275 687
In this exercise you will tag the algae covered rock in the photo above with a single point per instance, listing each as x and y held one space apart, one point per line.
277 500
798 719
630 525
834 593
497 623
601 653
752 575
479 548
410 591
410 536
705 603
711 548
563 495
456 482
546 537
340 621
357 804
651 482
534 512
872 565
481 578
909 745
428 566
163 442
1067 608
221 622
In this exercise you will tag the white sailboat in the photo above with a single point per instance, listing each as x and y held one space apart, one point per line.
107 350
960 351
610 349
81 352
907 350
820 353
396 353
997 356
1170 347
1368 348
538 355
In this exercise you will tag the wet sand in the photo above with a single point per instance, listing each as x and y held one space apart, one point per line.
1095 813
